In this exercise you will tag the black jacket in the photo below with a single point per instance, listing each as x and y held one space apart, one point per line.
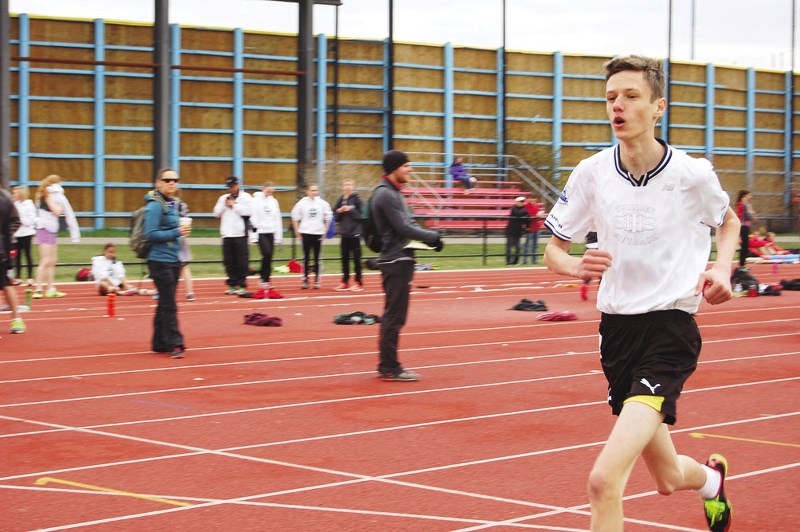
393 221
518 221
349 223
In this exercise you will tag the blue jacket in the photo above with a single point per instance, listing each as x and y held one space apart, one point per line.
161 228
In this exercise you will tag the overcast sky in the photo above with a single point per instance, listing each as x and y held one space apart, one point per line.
726 32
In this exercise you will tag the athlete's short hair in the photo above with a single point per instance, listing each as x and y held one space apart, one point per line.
651 68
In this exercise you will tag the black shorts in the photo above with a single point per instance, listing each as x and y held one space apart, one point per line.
649 354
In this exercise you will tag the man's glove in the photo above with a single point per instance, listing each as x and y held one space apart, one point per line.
438 245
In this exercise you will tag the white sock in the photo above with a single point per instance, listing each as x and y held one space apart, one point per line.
713 482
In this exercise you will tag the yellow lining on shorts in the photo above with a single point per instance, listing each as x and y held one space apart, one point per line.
653 401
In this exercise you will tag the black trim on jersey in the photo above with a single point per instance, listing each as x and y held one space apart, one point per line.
557 233
650 174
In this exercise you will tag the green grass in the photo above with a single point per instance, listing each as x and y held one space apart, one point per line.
207 258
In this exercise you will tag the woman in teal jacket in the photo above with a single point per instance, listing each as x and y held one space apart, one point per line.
162 229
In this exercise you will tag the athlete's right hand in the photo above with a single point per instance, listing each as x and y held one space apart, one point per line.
593 264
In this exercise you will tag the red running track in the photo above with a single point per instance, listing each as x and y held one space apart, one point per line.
272 428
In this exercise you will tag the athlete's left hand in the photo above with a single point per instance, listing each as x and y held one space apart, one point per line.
715 285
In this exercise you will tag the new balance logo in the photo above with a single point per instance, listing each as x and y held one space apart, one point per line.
650 386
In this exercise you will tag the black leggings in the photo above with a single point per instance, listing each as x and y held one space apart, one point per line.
744 234
311 243
24 246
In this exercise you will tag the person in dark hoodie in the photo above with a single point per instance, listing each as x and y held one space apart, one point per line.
400 235
518 220
347 214
162 229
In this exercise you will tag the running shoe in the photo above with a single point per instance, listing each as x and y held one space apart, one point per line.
53 293
37 294
404 375
305 284
719 509
17 326
177 352
342 287
190 296
357 287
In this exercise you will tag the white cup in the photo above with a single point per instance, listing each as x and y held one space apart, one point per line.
185 220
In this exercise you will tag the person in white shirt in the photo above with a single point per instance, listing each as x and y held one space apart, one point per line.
267 229
109 273
24 235
652 207
234 210
311 217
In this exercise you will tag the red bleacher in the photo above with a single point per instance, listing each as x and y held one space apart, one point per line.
485 207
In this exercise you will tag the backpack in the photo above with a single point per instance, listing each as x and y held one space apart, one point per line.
136 238
368 230
84 274
745 280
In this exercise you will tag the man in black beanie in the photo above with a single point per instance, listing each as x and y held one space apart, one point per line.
400 235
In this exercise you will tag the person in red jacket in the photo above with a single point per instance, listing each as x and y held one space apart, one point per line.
537 214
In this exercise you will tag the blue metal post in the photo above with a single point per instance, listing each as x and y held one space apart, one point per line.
24 90
501 117
750 124
449 109
175 100
788 148
558 112
711 83
99 124
238 102
322 106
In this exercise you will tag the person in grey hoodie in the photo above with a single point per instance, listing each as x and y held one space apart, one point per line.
400 236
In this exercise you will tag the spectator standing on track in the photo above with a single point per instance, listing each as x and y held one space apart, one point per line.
52 204
24 235
163 230
537 215
311 217
518 221
347 213
746 216
267 229
398 232
459 173
9 223
234 210
185 254
654 270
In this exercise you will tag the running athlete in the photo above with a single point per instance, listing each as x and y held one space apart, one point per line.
652 206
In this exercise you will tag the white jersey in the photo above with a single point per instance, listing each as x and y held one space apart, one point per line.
657 230
103 269
313 215
267 216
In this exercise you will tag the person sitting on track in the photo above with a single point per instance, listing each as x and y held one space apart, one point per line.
109 273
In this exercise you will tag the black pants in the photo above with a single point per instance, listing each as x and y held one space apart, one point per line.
235 256
24 246
744 234
397 278
512 249
166 335
311 244
266 244
351 245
